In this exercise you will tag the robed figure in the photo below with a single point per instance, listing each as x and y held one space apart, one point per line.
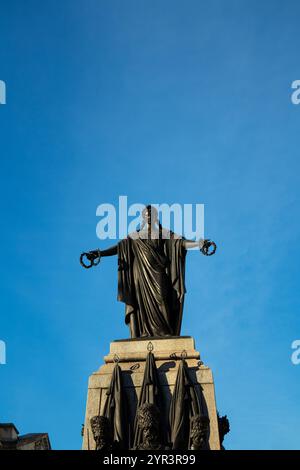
151 271
151 284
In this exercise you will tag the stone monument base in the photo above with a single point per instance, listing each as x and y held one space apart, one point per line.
131 355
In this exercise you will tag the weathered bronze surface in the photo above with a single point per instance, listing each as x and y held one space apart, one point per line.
115 409
150 394
199 432
151 276
184 406
101 430
110 429
148 421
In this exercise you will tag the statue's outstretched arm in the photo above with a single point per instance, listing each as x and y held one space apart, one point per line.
94 256
191 243
113 250
203 244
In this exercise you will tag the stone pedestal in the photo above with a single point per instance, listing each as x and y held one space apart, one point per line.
131 354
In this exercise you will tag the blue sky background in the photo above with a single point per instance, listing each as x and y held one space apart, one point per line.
173 101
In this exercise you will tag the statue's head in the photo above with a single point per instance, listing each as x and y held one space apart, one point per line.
150 215
148 417
148 421
224 426
199 431
100 427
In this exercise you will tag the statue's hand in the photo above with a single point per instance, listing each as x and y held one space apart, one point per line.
205 246
91 256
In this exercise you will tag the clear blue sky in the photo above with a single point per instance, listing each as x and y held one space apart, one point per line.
163 101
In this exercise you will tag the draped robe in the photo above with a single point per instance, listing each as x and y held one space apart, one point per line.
151 284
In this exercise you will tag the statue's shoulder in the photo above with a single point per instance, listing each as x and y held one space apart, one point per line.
133 236
124 243
169 235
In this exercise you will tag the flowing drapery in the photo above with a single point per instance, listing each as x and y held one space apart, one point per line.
151 284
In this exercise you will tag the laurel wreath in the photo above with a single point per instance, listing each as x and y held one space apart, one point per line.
205 247
93 262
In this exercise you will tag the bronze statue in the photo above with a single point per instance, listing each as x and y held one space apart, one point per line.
185 404
150 395
151 276
199 432
101 430
115 408
224 428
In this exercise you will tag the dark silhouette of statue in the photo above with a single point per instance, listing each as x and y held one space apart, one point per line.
101 430
151 271
199 435
224 428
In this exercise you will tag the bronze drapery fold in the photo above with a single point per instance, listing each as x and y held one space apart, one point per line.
184 405
150 393
151 284
115 409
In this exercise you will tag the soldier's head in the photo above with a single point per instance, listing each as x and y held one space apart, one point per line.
199 431
100 427
148 417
